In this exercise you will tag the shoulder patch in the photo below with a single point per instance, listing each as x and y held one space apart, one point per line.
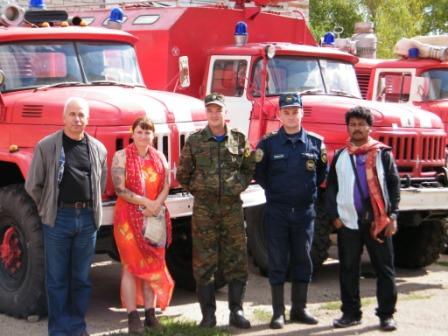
268 135
315 135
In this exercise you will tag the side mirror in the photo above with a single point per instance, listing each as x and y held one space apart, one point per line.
422 87
2 77
184 72
381 93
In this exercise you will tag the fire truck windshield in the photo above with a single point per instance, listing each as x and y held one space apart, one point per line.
44 63
308 75
437 84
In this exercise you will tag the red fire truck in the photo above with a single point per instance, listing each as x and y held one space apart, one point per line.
414 79
40 68
252 75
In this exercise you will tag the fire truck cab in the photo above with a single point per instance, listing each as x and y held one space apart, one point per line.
42 63
286 59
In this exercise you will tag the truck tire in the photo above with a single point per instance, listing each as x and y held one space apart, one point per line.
321 240
419 246
22 291
445 236
179 258
257 241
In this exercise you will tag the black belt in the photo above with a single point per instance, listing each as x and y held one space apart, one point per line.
75 205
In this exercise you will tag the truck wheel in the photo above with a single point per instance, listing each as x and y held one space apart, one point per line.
22 291
419 246
256 240
321 240
445 236
179 258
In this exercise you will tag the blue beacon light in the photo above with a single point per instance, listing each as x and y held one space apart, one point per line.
36 4
240 33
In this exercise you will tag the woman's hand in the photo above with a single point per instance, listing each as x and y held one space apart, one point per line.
152 207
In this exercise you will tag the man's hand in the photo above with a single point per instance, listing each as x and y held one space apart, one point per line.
391 229
337 223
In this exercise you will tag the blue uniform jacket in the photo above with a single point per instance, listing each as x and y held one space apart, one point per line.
289 172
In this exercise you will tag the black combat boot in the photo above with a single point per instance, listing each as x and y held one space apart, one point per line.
207 301
299 292
236 294
278 307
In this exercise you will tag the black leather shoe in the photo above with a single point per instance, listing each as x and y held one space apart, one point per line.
302 316
388 324
208 321
346 321
237 320
277 322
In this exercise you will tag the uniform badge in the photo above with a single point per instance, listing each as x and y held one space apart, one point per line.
259 155
310 165
246 152
323 155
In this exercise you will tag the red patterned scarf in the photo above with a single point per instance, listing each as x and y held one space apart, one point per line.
134 182
371 149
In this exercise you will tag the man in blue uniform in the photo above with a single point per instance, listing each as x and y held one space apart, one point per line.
291 164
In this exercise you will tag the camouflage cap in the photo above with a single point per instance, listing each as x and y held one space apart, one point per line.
214 98
289 99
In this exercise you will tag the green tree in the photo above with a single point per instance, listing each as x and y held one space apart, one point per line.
326 14
395 19
435 17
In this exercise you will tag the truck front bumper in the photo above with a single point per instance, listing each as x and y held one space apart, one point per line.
181 204
424 199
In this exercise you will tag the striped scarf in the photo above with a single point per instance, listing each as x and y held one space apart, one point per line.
371 149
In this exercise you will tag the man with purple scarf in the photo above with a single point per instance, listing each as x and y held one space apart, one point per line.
363 192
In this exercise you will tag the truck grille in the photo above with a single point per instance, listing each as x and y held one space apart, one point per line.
416 155
363 81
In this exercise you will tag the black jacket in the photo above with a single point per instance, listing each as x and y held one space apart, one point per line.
392 184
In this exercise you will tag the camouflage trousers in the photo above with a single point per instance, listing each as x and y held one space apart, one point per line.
219 240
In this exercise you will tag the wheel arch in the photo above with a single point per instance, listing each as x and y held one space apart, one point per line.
14 166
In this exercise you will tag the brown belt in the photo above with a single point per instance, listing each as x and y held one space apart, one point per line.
75 205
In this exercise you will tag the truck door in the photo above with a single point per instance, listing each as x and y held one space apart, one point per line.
393 86
228 75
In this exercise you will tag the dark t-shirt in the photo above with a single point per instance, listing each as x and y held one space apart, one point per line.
75 184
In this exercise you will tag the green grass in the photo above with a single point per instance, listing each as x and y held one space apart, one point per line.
176 327
413 296
336 305
262 315
442 263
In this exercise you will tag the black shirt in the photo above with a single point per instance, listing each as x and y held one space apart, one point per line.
75 184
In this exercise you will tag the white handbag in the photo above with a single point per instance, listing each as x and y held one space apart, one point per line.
154 229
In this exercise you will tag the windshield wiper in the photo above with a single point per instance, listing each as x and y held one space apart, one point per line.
343 93
311 92
56 85
115 83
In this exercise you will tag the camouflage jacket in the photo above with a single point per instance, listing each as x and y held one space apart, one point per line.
211 169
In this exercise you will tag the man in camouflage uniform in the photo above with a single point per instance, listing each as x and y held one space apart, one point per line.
216 165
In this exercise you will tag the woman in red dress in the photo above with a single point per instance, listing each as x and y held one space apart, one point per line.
140 176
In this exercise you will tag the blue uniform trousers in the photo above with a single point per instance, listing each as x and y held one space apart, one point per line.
69 249
289 235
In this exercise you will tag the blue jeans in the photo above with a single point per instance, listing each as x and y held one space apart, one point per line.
69 249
